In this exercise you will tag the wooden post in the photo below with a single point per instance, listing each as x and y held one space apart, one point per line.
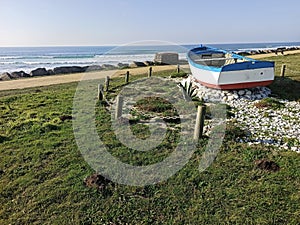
107 79
178 68
100 92
119 107
283 67
199 123
150 72
127 77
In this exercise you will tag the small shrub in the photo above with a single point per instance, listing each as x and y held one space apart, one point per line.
154 104
178 75
269 103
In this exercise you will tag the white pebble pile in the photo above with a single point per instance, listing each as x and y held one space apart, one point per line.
280 127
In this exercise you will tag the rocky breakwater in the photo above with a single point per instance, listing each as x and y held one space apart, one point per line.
280 50
70 69
56 71
263 118
13 75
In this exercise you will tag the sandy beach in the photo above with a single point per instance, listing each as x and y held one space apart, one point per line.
60 79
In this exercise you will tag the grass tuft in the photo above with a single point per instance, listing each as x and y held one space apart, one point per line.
269 103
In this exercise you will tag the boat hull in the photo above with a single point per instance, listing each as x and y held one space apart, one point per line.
239 79
246 74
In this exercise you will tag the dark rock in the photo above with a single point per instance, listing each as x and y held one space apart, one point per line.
97 181
137 64
265 164
123 65
280 49
5 76
93 68
108 67
253 52
39 72
68 69
149 63
244 53
50 72
19 74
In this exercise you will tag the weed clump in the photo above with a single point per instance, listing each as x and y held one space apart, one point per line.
269 103
154 104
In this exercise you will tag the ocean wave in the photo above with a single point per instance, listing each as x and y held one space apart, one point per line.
73 56
24 57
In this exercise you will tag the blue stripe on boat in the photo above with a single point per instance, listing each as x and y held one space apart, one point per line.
248 66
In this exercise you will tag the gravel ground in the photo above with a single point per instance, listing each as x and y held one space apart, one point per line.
277 127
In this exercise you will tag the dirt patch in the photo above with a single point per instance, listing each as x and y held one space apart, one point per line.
65 117
267 165
97 181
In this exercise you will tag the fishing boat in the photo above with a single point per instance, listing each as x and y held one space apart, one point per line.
220 69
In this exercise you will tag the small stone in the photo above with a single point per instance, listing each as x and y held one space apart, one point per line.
230 98
236 96
294 149
241 92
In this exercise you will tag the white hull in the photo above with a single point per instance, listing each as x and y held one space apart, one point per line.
219 69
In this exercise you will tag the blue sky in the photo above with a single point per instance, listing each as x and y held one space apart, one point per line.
114 22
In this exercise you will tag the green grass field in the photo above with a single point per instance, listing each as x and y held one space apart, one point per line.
42 170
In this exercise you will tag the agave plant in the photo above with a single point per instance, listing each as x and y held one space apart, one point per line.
188 89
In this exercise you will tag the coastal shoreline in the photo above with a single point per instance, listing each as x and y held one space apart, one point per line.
39 81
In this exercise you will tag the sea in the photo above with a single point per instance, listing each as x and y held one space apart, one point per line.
29 58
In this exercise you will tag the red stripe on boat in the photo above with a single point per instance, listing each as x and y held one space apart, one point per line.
237 86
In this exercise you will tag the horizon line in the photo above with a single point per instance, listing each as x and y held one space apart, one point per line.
135 43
